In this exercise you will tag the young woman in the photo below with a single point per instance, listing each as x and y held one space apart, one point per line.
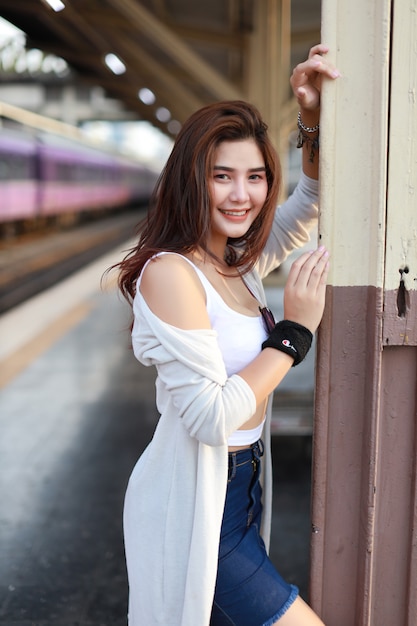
198 508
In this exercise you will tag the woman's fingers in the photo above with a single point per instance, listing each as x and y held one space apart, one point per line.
316 63
306 77
318 48
305 291
319 271
309 269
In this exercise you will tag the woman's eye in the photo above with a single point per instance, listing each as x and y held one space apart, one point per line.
221 176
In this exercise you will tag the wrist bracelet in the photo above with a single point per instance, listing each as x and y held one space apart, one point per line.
313 144
306 129
291 338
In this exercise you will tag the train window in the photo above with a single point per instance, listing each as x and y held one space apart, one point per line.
16 167
83 173
4 167
63 171
19 167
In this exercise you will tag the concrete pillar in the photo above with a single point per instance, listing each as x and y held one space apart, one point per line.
269 64
364 555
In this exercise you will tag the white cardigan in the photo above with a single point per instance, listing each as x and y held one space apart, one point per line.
175 497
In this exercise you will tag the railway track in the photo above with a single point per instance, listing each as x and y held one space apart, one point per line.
33 263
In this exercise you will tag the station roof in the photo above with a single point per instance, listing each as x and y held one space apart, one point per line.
187 52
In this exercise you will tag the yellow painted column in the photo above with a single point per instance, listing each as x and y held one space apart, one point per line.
353 162
269 63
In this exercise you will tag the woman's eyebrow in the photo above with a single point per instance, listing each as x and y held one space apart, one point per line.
231 169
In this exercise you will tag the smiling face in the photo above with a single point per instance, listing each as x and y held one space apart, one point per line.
238 188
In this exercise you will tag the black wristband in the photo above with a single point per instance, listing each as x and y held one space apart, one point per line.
291 338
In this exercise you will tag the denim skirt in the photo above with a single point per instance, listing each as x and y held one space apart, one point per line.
249 590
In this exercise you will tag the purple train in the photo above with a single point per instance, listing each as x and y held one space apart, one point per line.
43 175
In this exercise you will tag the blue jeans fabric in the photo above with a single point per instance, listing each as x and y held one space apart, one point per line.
249 590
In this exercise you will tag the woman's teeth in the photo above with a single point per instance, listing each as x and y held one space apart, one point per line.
235 213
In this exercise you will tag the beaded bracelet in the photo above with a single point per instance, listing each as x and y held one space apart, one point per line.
313 144
306 129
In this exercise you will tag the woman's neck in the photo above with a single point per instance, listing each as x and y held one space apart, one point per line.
215 259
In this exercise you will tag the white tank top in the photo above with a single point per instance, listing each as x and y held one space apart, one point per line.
240 339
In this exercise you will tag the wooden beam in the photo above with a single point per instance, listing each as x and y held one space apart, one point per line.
160 8
59 25
364 513
39 121
400 326
183 55
172 93
229 40
79 56
122 92
118 22
25 6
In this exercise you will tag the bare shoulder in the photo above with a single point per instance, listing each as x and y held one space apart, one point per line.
174 292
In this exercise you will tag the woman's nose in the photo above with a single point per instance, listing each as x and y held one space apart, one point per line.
239 192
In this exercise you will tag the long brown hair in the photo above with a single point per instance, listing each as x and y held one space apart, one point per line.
180 210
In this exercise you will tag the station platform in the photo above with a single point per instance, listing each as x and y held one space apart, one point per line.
76 411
